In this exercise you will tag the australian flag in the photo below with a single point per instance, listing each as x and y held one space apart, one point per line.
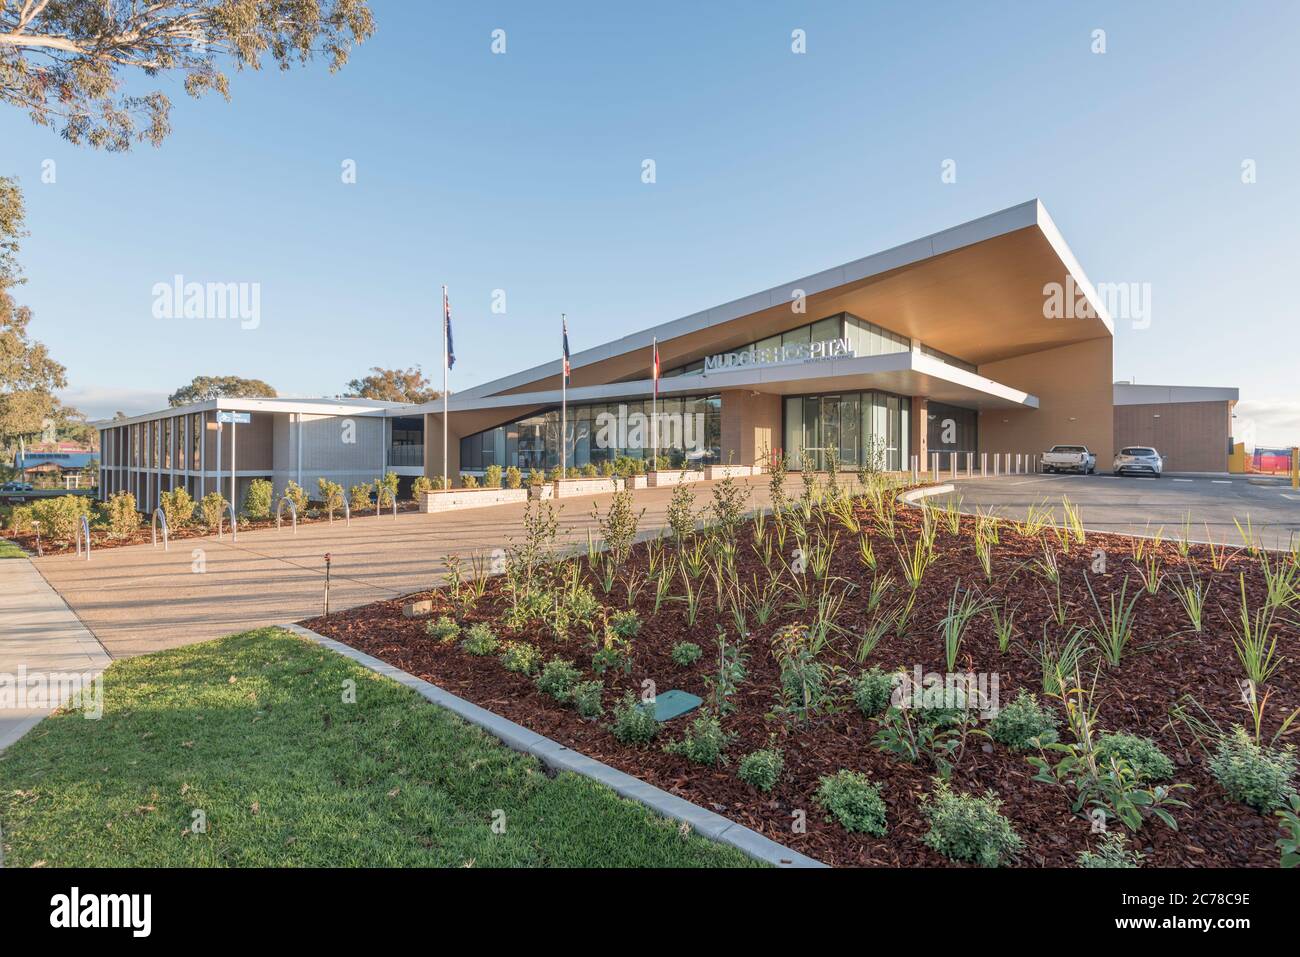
564 324
446 328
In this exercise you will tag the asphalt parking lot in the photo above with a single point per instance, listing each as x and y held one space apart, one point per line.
1205 508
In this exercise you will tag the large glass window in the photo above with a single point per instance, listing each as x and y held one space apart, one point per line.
952 429
865 429
689 431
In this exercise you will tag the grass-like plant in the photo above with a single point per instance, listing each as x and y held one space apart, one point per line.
1254 641
1191 593
1112 629
955 622
915 560
1004 625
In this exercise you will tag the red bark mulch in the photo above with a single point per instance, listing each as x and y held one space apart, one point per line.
1165 661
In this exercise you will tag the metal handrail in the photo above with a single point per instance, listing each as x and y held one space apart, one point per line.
83 528
293 512
158 513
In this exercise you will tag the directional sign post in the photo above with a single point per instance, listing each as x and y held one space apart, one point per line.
233 419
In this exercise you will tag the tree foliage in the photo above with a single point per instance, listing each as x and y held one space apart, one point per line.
393 385
28 376
204 387
69 62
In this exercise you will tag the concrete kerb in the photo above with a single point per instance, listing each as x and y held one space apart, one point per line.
713 826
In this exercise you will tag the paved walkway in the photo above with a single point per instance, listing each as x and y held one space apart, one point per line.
39 635
141 599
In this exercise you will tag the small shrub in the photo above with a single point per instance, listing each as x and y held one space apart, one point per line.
359 498
444 629
514 478
20 519
850 798
492 476
613 655
703 742
1114 852
762 768
967 828
686 653
536 478
479 640
634 723
177 507
520 657
257 500
331 495
589 471
295 493
625 624
1147 761
1021 722
585 697
212 510
421 485
468 481
872 691
386 488
59 516
557 679
121 514
1253 773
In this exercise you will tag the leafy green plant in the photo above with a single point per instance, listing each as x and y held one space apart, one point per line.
850 798
122 516
514 478
177 507
1148 762
444 629
618 525
257 499
968 828
295 494
1254 773
59 516
681 511
1289 842
634 722
492 476
212 509
480 640
468 480
761 769
557 679
625 624
704 741
731 669
934 735
1114 852
331 495
520 657
686 653
1024 723
359 498
585 696
872 690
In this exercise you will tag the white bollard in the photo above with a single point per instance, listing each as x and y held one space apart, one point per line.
984 465
916 470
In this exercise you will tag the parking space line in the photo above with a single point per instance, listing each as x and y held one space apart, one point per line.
1221 481
1182 480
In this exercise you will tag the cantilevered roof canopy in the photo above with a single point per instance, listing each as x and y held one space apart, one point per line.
976 291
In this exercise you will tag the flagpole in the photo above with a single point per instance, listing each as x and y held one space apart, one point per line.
444 387
654 403
564 403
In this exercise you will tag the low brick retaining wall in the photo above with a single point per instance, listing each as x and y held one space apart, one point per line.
669 477
438 501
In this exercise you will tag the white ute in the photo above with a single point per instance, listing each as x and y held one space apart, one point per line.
1069 458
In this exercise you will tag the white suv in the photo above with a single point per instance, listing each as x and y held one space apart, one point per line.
1138 459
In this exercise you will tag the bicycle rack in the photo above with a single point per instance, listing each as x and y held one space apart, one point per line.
234 524
83 530
158 514
347 512
293 512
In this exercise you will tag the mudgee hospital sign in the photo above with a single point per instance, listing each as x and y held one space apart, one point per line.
786 352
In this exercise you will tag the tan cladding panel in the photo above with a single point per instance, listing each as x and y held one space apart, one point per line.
1192 436
254 447
751 426
1075 401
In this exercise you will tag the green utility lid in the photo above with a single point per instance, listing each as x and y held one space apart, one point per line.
672 704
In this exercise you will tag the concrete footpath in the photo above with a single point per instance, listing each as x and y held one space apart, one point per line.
39 636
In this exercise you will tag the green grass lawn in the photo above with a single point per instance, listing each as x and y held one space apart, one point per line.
253 731
9 550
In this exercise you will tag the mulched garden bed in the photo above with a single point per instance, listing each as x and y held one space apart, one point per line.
1166 661
143 535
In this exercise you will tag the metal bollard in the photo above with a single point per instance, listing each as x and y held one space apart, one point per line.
984 465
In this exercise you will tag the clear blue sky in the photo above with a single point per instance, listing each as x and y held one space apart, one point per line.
523 172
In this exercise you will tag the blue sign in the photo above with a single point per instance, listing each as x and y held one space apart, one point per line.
235 418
